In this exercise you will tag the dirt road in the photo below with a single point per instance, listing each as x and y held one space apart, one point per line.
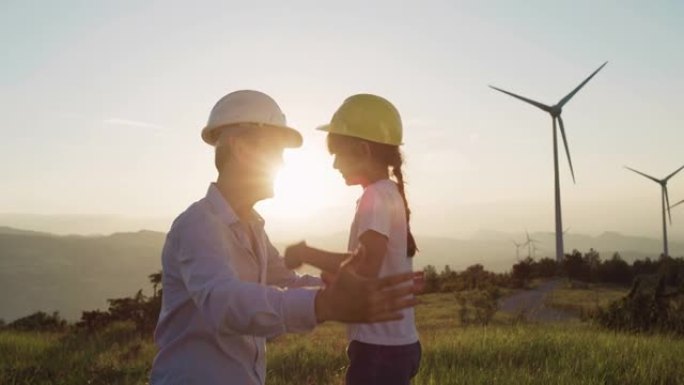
531 303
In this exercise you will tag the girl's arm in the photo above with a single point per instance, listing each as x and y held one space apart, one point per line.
375 247
367 260
301 253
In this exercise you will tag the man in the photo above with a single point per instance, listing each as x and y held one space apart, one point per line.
226 288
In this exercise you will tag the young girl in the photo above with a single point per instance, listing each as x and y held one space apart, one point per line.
364 137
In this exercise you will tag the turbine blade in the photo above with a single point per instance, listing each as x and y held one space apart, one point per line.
567 150
642 174
674 173
524 99
677 204
667 203
571 94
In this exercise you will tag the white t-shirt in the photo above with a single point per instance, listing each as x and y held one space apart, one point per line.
381 209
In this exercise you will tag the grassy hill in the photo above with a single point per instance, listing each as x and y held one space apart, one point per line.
507 352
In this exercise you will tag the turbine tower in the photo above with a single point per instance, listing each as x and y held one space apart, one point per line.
665 200
555 112
517 249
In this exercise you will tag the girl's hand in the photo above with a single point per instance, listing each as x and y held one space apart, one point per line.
294 255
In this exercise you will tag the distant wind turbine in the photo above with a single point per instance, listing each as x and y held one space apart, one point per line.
665 200
555 112
534 250
530 245
517 249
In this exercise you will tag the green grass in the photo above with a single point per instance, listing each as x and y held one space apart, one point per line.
505 353
585 299
115 356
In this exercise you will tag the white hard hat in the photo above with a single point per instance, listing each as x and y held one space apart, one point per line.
251 108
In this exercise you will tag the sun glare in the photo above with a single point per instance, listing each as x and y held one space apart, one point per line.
305 185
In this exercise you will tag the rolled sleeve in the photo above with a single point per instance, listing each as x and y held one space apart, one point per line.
299 310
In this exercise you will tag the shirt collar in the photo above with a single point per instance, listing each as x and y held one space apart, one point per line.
225 212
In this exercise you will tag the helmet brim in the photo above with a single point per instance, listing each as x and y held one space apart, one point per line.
290 137
329 129
324 128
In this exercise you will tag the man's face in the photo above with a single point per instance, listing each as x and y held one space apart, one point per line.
259 155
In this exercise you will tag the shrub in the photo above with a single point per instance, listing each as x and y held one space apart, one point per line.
478 306
647 308
39 321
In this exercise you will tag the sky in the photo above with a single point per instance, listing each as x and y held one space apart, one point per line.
102 104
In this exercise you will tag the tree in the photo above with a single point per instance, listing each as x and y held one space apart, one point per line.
40 321
574 266
155 280
94 320
431 279
592 263
522 271
545 268
143 311
615 270
644 267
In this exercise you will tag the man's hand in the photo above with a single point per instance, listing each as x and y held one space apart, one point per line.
351 298
293 255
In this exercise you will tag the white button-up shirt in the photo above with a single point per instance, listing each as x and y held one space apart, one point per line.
223 296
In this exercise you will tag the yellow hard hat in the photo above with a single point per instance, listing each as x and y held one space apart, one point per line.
368 117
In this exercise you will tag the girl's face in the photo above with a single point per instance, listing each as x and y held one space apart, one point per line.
351 162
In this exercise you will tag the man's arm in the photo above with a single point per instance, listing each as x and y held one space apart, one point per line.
232 306
228 304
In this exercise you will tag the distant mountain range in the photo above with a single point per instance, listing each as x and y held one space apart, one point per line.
42 271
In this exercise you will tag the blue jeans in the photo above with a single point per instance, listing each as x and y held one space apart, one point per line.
382 364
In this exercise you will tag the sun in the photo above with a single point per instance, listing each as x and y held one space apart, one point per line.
304 186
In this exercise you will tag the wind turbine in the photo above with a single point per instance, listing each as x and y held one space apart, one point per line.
517 249
530 245
555 112
677 204
665 200
534 250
